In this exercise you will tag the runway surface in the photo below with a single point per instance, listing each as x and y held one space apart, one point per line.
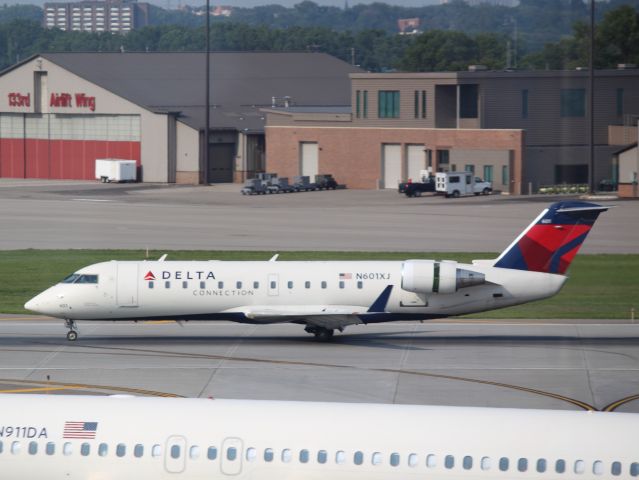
551 365
61 215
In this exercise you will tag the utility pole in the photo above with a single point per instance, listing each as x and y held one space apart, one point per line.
207 92
591 97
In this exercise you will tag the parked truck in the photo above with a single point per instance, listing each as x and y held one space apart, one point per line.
458 184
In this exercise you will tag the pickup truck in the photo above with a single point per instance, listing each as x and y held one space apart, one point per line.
415 189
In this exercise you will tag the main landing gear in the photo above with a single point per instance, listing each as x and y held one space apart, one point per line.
321 334
72 335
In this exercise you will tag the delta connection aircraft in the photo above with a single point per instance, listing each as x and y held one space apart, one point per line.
325 296
57 437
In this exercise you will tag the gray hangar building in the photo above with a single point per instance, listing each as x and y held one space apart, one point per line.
60 112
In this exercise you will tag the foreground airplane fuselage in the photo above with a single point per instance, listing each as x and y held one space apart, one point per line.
326 295
105 438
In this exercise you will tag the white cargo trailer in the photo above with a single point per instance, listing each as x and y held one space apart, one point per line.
115 170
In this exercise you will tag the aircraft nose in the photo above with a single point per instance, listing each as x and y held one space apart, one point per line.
32 304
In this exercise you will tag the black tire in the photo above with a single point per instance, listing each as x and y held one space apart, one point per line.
456 194
72 335
418 193
485 191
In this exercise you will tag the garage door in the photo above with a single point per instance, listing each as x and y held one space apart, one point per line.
416 157
309 160
391 165
221 157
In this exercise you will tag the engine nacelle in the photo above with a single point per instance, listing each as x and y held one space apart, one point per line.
429 276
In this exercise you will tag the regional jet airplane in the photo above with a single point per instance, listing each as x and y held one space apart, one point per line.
109 438
325 296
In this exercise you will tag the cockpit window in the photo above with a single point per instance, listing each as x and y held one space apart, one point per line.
81 278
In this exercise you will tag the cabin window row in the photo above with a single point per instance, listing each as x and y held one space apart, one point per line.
256 285
340 457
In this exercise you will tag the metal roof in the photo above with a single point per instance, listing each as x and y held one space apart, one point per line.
241 82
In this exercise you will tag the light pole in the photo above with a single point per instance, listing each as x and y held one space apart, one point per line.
207 92
591 97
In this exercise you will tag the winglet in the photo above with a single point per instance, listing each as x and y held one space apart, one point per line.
379 305
163 257
274 257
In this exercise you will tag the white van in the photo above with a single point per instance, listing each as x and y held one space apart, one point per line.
457 184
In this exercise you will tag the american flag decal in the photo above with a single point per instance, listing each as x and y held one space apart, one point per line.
86 430
345 276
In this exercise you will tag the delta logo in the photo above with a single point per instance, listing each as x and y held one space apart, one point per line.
181 275
149 276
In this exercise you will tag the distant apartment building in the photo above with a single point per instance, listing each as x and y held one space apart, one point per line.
96 16
408 26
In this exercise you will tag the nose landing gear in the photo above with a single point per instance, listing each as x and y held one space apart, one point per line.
72 334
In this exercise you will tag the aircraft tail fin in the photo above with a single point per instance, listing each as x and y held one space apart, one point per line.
553 239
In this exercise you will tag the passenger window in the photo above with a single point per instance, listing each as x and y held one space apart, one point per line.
394 459
358 458
449 461
150 284
202 285
503 464
251 454
431 461
273 285
156 450
522 464
341 284
615 468
103 449
268 455
485 463
560 466
307 284
33 448
304 456
194 452
290 284
597 467
467 463
541 465
120 450
176 452
412 460
360 284
323 284
185 284
211 453
15 448
231 453
286 455
580 466
0 446
85 449
50 448
220 284
138 450
67 449
167 284
256 285
238 285
377 458
634 469
321 456
340 457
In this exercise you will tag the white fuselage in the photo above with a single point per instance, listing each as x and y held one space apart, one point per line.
195 289
164 438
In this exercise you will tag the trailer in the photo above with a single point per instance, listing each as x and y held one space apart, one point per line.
115 170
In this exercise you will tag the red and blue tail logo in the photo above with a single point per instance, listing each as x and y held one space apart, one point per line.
553 239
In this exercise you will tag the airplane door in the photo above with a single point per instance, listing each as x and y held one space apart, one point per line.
231 461
175 454
273 285
127 284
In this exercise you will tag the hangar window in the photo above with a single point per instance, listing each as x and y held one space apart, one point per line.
194 452
541 465
323 284
220 284
340 457
394 459
360 284
358 458
150 284
560 466
341 284
522 464
211 453
185 284
290 284
503 464
268 455
85 449
322 456
202 285
120 450
376 459
251 454
615 468
307 284
449 461
238 285
304 456
412 460
156 451
50 449
286 455
256 285
167 284
138 450
33 448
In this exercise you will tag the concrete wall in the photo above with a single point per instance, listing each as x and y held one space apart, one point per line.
187 154
353 155
629 166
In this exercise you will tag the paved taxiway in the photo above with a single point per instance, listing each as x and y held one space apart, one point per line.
47 214
516 364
